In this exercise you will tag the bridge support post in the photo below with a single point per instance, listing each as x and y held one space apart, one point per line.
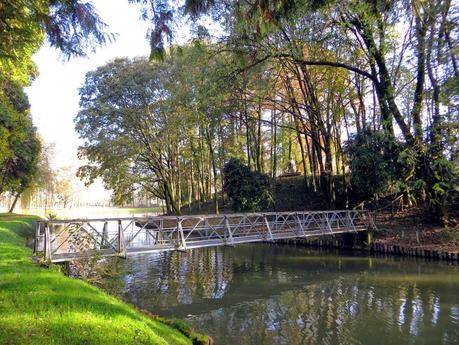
301 225
37 236
228 238
350 222
159 233
327 221
271 238
121 244
181 242
47 244
104 243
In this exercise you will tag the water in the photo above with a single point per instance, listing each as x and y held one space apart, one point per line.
277 294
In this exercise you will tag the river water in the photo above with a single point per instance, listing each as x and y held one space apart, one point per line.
277 294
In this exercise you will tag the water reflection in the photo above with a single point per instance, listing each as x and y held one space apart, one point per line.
267 294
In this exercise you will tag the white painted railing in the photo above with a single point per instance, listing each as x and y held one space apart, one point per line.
64 240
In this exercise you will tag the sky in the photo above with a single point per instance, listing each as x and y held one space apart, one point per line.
54 95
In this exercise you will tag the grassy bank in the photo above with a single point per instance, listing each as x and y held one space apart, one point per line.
43 306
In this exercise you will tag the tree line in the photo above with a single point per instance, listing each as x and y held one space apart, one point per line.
361 95
74 28
362 91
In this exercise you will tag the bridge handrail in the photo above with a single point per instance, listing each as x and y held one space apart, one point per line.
64 239
191 216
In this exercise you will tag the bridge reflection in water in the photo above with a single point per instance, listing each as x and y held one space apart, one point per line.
64 240
268 294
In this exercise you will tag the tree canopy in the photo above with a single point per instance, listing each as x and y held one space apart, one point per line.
341 89
74 28
295 80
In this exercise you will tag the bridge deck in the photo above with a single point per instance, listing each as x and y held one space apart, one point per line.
65 240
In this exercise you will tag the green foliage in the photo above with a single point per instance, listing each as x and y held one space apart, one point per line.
379 165
372 162
407 181
51 215
160 15
125 130
441 185
247 190
19 141
71 26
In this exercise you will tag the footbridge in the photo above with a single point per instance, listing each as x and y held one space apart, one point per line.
65 240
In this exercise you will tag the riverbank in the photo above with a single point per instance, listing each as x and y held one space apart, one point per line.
410 229
43 306
403 233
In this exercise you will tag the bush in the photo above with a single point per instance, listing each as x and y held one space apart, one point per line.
247 190
442 182
372 160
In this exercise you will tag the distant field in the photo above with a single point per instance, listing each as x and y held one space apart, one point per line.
92 212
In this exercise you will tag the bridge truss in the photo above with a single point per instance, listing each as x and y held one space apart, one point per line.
65 240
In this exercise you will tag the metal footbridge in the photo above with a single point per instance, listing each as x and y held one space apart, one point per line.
65 240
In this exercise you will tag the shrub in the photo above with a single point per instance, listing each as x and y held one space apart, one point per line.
372 160
247 190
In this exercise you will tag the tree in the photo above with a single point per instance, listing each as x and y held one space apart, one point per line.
131 141
64 186
41 192
71 26
19 142
163 127
361 37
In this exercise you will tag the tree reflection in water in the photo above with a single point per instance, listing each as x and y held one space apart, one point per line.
268 294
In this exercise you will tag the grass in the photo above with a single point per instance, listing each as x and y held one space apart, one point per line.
42 306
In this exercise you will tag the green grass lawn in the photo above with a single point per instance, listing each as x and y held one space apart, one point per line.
43 306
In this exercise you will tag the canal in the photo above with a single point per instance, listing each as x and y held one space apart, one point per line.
278 294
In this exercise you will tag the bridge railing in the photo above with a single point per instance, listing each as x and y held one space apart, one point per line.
62 240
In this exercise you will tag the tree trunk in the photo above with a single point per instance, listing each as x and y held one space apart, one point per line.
13 205
273 143
214 168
